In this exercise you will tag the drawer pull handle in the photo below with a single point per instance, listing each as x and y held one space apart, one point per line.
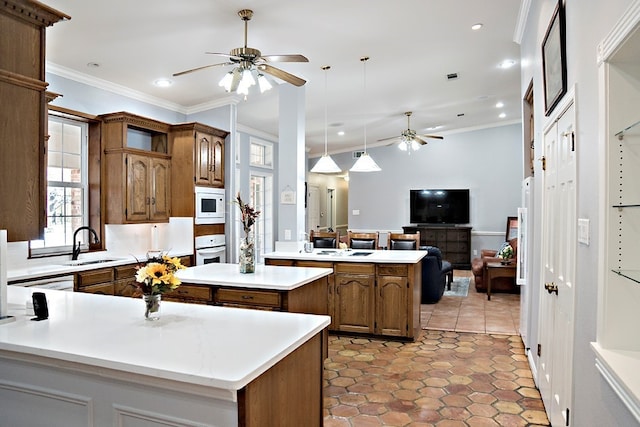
247 297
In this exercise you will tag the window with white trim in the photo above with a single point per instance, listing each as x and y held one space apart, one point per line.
67 195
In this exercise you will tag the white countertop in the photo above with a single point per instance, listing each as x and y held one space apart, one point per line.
337 255
58 267
265 276
217 347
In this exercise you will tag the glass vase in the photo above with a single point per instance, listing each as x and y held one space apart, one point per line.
247 259
152 306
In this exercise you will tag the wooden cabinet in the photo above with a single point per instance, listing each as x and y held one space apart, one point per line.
249 298
209 160
97 281
392 300
197 155
23 117
148 190
121 281
354 297
380 299
453 241
137 174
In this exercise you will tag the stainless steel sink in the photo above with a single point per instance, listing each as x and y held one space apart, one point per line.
89 261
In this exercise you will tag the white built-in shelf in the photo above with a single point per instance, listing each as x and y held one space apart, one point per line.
633 129
629 274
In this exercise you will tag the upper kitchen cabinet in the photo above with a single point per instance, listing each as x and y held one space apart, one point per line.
197 155
137 169
199 148
23 26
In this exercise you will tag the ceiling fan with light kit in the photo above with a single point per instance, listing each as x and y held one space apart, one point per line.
409 138
250 61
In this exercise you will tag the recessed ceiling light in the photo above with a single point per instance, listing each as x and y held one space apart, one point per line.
476 26
434 127
163 82
500 104
502 115
93 65
507 63
341 132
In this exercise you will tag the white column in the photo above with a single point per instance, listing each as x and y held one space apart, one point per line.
291 161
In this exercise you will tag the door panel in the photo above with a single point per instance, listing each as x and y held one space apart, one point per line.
559 248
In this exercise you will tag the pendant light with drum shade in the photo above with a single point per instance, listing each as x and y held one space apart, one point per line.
365 163
325 164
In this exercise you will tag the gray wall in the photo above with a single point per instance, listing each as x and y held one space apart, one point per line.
594 403
487 161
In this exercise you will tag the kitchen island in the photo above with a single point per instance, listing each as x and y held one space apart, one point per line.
300 290
371 292
96 361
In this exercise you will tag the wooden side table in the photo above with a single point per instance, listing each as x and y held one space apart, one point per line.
495 270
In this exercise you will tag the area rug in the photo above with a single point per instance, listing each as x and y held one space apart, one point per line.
459 287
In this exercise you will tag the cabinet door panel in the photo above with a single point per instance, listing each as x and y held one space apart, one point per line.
354 303
204 154
160 189
217 162
137 188
392 306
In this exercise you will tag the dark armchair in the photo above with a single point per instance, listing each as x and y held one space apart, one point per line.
434 275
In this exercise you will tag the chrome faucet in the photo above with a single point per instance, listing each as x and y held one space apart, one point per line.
76 249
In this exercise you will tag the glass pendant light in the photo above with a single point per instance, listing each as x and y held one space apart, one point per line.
325 164
365 163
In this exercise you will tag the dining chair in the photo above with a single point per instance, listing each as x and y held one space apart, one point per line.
357 240
324 239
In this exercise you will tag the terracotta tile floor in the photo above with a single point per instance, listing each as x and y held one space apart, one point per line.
443 379
474 313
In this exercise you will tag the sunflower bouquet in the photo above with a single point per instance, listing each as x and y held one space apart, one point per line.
157 275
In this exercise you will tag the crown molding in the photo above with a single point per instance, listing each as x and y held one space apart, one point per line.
621 30
523 15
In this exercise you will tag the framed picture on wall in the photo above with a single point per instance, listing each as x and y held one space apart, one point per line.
554 62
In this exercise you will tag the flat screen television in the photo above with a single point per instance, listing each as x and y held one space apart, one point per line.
432 206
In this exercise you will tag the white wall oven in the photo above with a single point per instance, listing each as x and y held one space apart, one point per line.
210 249
209 205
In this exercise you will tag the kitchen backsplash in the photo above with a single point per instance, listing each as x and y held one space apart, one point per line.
127 239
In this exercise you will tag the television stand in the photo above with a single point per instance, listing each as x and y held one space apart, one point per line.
454 241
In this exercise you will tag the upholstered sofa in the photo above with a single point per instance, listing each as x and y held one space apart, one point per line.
433 275
501 284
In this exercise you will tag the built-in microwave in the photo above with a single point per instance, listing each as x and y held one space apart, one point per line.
209 205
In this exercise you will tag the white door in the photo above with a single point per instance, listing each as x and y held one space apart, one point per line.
313 207
558 259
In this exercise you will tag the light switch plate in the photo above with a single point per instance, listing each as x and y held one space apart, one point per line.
356 212
583 231
287 234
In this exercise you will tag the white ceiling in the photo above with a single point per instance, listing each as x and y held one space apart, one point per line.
413 45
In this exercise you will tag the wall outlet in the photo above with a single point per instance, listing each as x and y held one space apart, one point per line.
356 212
475 252
287 234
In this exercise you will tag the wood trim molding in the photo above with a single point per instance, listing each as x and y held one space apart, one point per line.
22 81
135 120
33 12
199 127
